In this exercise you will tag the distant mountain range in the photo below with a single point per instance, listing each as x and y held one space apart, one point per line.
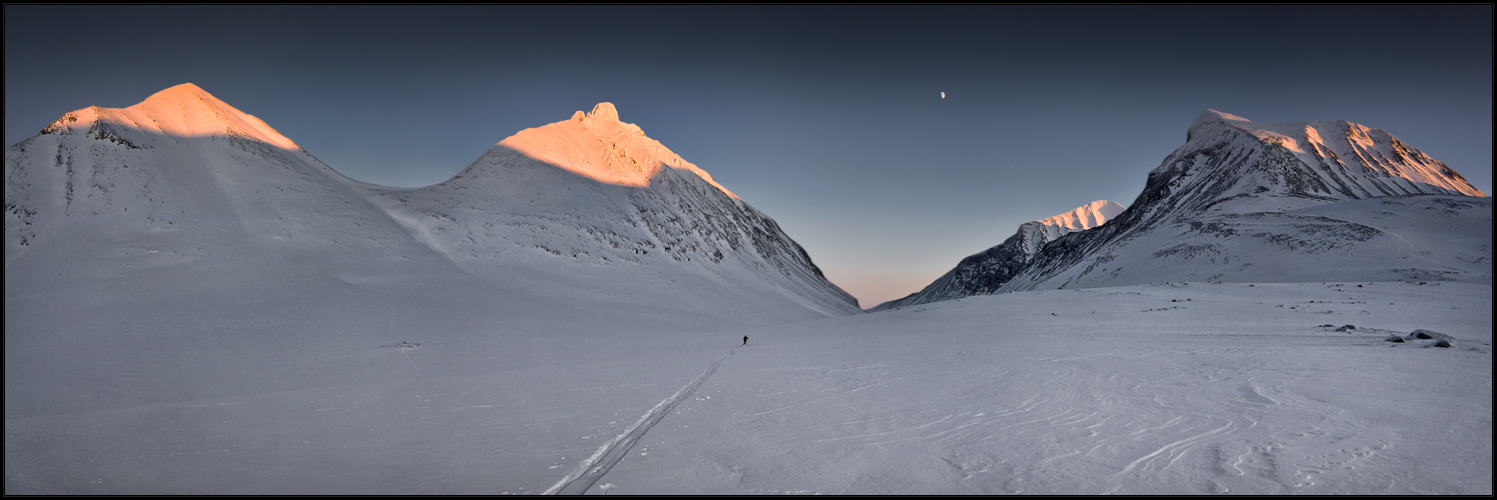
1258 202
589 213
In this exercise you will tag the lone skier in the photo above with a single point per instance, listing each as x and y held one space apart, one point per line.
745 340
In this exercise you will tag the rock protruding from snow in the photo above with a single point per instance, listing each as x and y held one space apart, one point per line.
984 272
1422 334
604 111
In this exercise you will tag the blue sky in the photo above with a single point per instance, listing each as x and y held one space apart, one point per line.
828 119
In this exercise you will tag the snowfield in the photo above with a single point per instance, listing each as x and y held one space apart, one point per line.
1180 388
1167 389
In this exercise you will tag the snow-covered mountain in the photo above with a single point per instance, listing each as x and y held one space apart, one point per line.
984 272
584 210
186 224
1282 202
628 220
1262 202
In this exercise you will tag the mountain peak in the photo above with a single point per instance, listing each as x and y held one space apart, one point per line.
184 110
179 92
599 146
1211 114
1086 216
604 111
1210 119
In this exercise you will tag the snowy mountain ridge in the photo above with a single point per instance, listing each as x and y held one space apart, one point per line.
183 181
1356 161
1086 216
1246 166
986 271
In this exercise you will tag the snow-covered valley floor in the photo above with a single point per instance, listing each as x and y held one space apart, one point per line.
1154 389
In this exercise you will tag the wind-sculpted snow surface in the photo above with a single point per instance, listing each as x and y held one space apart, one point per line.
1179 388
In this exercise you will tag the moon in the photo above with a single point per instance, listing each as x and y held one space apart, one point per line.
943 95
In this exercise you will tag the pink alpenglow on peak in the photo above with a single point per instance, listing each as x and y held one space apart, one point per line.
183 111
1035 235
1087 216
598 146
1354 160
604 111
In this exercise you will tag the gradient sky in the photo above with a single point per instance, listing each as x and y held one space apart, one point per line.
828 119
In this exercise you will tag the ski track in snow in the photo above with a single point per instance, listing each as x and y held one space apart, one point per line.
592 470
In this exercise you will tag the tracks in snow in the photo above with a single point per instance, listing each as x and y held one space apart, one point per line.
590 471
